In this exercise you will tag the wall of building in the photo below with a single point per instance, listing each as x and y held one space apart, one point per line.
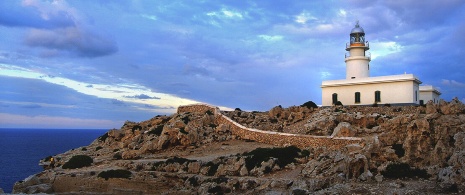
429 95
270 137
402 92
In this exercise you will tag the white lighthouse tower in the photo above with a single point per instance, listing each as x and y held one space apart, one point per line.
360 89
357 58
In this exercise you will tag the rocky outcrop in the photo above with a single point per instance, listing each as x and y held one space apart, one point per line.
204 150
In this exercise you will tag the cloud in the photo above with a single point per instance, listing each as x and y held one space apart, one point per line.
117 102
142 97
452 83
33 106
71 40
34 14
45 121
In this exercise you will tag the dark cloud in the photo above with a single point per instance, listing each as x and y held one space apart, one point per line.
71 40
142 97
117 102
425 13
12 14
195 70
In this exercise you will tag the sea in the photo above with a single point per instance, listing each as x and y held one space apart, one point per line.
21 149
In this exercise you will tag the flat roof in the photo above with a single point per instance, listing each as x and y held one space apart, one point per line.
371 80
429 88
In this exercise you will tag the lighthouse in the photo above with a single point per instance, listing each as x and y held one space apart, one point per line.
357 58
360 89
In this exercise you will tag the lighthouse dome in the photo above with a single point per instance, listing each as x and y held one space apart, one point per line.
357 29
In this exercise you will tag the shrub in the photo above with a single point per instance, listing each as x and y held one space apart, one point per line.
103 137
84 149
299 192
304 153
374 104
284 155
48 158
178 160
238 109
78 161
183 131
193 181
309 104
215 190
117 156
118 173
209 112
402 170
185 119
387 105
338 103
399 150
157 130
98 148
136 127
213 168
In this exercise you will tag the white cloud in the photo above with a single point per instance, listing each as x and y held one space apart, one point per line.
121 91
452 83
271 38
226 14
379 49
303 17
342 13
150 17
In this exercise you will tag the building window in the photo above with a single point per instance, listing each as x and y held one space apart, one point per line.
357 97
334 98
422 102
377 96
416 96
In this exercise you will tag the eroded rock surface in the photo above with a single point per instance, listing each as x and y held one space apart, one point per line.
193 152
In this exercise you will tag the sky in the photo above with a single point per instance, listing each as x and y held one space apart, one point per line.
98 63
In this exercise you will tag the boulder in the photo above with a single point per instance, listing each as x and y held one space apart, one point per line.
343 129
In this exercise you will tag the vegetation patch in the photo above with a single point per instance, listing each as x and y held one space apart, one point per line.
193 181
309 104
284 155
183 131
213 168
136 127
304 153
118 173
399 150
117 156
185 119
48 158
78 161
103 137
178 160
402 170
209 112
157 130
98 148
216 190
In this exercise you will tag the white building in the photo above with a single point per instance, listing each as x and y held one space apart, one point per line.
360 89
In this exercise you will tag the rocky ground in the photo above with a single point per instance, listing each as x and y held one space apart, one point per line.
406 150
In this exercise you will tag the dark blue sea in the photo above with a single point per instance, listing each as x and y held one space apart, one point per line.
21 149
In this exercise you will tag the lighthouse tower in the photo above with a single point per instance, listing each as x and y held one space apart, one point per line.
357 58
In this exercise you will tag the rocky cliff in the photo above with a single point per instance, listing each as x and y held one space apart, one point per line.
300 150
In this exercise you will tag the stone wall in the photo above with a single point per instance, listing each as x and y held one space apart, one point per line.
270 137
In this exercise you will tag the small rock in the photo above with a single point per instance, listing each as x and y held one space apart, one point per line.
379 178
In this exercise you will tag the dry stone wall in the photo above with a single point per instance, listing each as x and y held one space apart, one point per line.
270 137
